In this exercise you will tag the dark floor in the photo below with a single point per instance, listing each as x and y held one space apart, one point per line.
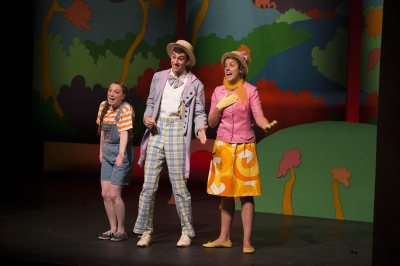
56 222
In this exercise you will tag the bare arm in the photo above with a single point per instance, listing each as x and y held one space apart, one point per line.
259 117
214 117
262 122
202 135
123 141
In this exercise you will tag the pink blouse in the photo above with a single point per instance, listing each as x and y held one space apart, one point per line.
235 124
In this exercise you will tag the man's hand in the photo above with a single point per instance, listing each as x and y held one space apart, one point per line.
149 122
202 135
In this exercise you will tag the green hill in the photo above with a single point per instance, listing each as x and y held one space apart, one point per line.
323 146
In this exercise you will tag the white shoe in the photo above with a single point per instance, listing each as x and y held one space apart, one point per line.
144 240
184 241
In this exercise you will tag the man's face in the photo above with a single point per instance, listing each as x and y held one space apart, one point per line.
178 62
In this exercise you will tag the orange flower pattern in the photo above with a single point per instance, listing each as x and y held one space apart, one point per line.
234 170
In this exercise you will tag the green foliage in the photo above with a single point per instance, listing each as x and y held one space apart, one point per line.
369 78
117 47
331 62
262 48
159 50
137 67
108 68
292 15
79 61
120 47
57 63
99 66
211 48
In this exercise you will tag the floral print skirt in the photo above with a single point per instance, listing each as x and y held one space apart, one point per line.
234 170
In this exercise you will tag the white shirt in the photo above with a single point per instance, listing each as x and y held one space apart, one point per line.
171 98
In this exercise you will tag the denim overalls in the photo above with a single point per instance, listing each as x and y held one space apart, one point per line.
109 171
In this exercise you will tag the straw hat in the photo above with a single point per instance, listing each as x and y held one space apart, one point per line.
185 46
240 55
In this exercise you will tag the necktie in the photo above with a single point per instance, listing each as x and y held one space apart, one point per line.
174 81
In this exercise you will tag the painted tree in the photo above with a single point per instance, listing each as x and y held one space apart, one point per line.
291 159
198 20
339 175
159 4
78 14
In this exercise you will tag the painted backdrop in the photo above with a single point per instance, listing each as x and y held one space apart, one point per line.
313 163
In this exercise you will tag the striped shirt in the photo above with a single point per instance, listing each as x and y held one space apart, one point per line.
125 119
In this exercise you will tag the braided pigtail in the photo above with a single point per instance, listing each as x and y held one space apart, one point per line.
103 113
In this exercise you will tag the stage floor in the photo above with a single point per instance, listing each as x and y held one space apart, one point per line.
56 221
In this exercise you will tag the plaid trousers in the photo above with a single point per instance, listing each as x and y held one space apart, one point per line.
166 146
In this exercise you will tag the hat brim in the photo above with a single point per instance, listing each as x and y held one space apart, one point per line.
171 46
238 57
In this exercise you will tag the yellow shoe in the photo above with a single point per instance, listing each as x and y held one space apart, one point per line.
249 250
225 244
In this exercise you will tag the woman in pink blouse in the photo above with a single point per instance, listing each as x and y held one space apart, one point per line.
234 169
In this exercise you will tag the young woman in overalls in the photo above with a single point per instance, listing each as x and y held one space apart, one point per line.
115 119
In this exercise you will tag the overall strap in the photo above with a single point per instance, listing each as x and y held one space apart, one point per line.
119 112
